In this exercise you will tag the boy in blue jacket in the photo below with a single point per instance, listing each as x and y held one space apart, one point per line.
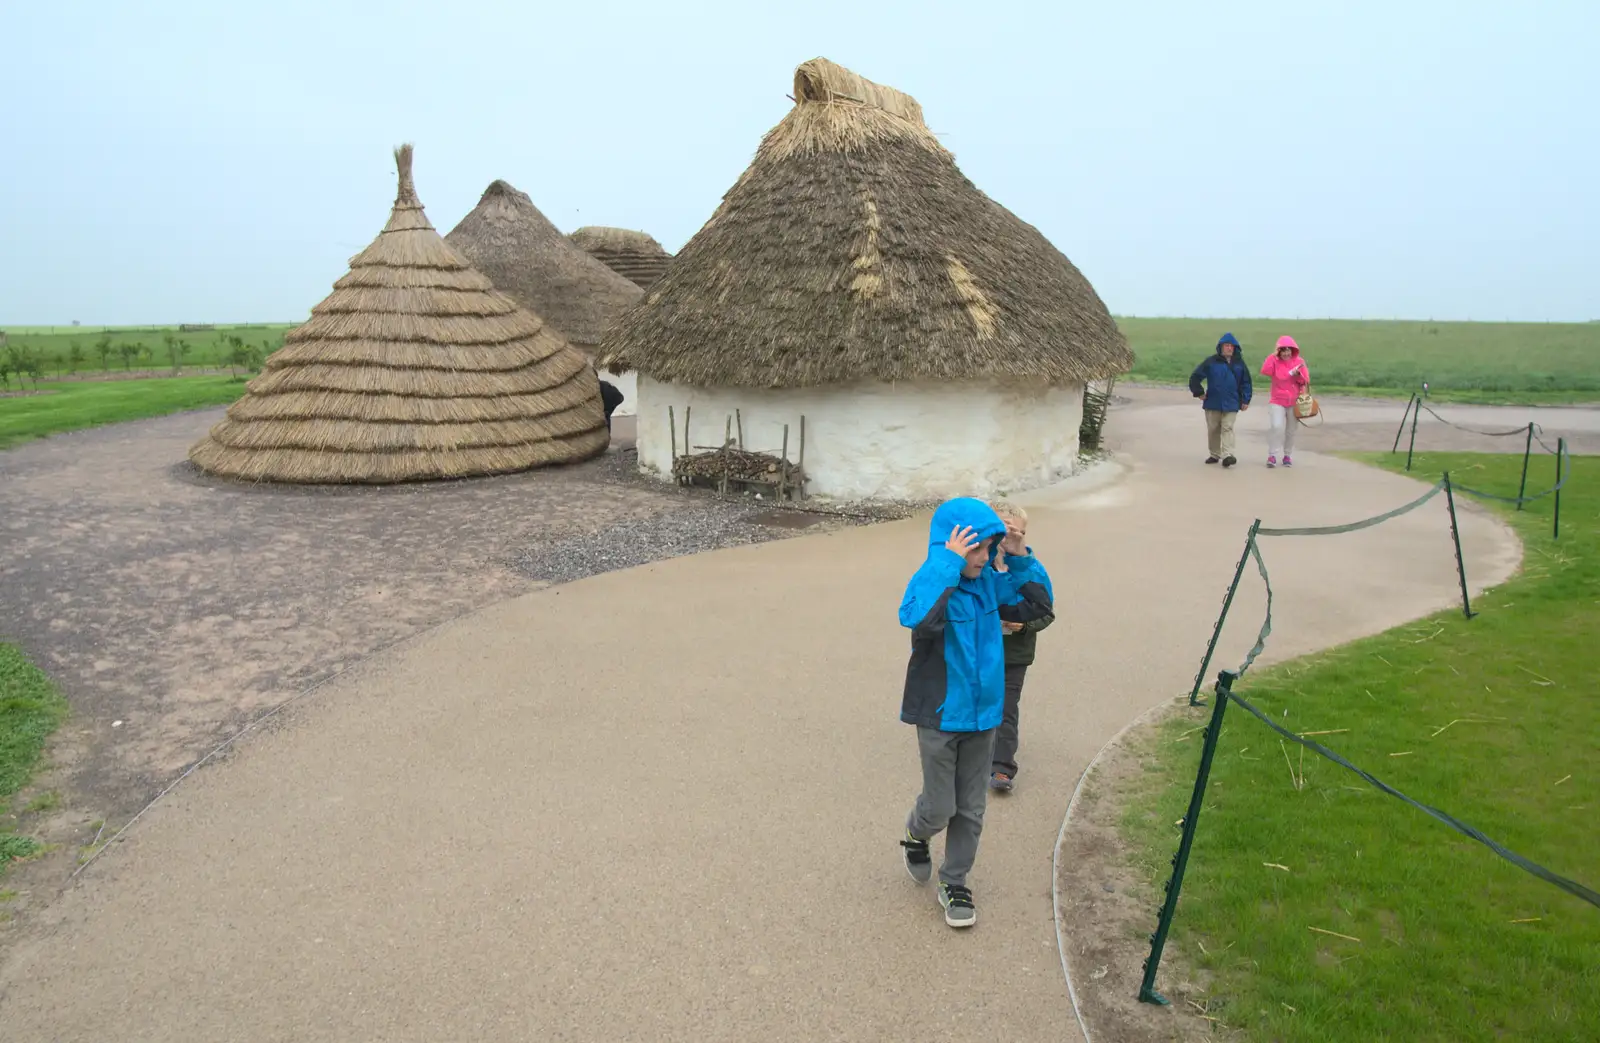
1226 390
955 683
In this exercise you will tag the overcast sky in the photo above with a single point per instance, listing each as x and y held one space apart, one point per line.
216 162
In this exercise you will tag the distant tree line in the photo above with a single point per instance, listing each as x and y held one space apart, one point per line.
27 363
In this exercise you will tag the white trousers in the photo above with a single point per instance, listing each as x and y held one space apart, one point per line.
1280 440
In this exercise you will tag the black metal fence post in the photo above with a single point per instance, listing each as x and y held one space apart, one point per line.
1227 603
1403 418
1413 446
1561 452
1522 490
1455 537
1180 861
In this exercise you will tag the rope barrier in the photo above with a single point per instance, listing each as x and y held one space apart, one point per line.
1331 530
1570 886
1462 427
1224 693
1225 690
1566 472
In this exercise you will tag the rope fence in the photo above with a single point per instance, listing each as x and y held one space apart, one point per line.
1227 678
1532 434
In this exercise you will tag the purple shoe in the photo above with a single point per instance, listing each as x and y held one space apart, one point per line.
1288 462
1272 461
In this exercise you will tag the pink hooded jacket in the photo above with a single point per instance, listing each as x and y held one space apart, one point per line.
1288 375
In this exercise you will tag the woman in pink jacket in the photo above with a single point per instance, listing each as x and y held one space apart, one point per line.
1289 375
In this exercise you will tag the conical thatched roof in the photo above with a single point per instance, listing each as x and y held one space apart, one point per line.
635 256
854 249
509 240
414 367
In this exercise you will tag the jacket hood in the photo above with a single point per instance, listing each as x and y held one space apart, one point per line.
1228 338
1288 342
965 511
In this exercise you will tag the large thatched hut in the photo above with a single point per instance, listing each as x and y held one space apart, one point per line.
934 342
509 240
636 256
413 368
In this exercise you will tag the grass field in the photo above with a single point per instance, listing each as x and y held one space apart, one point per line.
1494 720
148 347
30 709
72 405
1461 361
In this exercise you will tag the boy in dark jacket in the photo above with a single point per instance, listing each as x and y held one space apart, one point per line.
1226 392
955 684
1020 638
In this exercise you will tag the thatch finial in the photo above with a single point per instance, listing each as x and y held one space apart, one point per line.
820 80
408 191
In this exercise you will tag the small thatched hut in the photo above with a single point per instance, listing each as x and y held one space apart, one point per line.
509 240
413 368
934 342
635 256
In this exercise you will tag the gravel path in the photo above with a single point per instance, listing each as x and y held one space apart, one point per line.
173 608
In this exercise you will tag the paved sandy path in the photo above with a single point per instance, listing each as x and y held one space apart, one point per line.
662 804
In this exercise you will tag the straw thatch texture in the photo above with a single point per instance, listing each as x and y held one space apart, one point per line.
415 367
853 249
524 255
635 256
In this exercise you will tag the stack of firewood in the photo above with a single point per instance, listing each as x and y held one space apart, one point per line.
737 465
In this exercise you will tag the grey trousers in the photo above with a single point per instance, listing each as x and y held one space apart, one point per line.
1005 737
955 790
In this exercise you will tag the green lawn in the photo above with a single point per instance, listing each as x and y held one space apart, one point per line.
80 404
147 344
1461 361
1496 721
30 709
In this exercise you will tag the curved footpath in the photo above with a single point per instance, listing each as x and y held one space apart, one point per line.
663 804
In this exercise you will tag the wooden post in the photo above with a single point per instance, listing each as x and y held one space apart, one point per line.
672 432
727 439
739 419
802 464
783 466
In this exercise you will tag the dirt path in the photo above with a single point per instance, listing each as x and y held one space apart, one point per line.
662 803
172 608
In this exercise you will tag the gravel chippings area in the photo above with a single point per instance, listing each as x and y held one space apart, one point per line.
699 520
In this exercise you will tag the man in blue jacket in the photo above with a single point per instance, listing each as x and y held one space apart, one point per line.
1226 391
955 683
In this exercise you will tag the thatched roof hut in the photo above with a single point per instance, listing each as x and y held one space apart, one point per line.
635 256
415 367
509 240
853 268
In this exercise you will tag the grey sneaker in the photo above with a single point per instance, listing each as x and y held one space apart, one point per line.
919 863
958 908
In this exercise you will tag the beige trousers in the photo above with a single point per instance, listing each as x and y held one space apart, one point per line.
1219 431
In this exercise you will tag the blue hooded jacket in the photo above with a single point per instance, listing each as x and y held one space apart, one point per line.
956 678
1227 381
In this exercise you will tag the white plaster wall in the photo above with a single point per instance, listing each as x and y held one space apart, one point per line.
884 441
